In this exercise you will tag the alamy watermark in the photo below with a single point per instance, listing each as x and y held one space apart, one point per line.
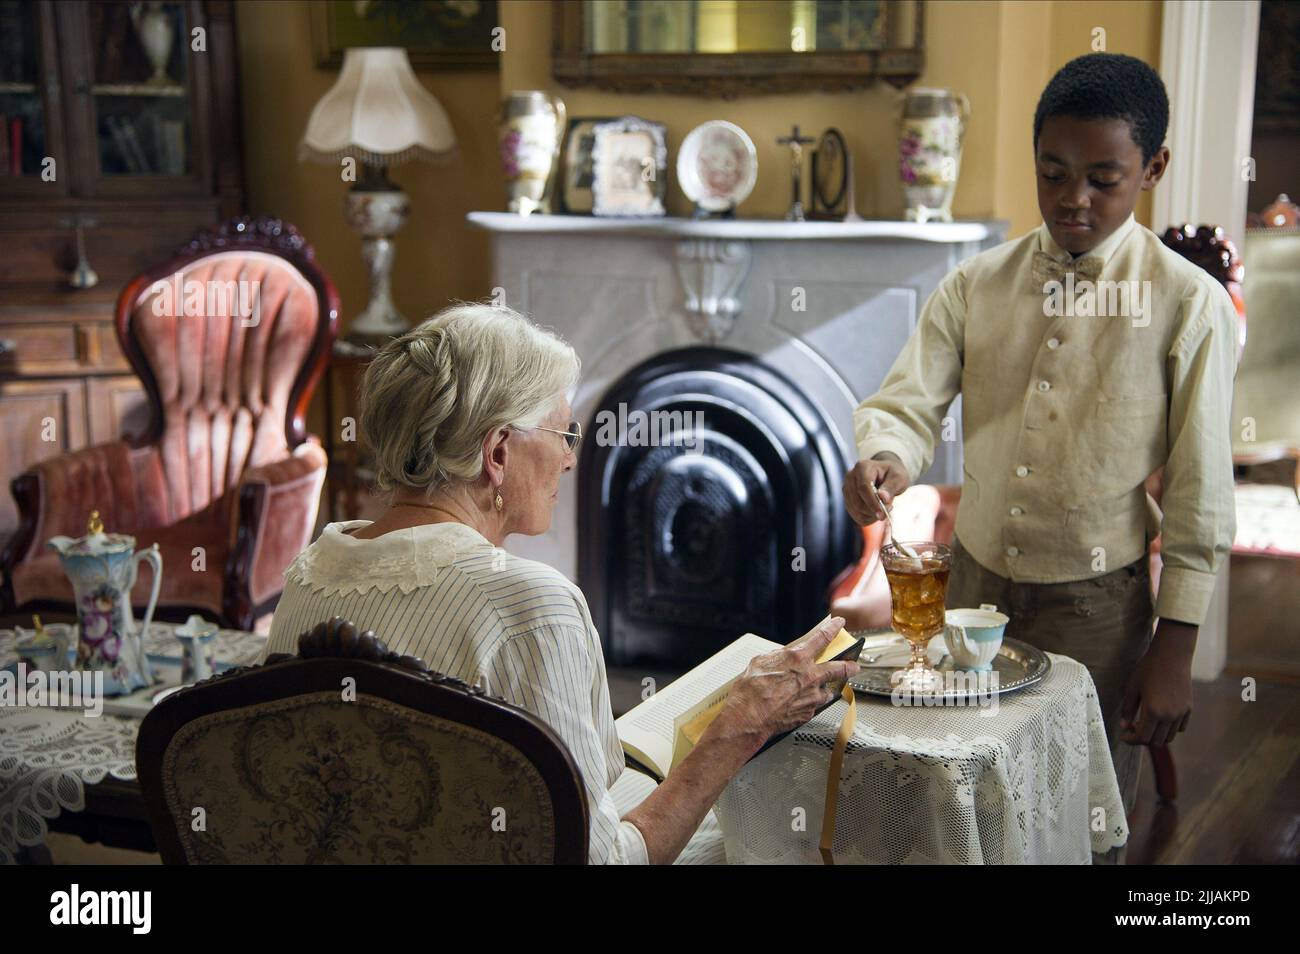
962 688
1100 299
75 906
625 428
73 689
190 298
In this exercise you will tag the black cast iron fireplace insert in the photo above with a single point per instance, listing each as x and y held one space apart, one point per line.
681 549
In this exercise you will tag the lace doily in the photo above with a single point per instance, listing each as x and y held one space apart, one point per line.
47 758
406 559
1033 784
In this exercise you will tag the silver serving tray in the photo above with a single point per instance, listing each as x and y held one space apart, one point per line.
1017 665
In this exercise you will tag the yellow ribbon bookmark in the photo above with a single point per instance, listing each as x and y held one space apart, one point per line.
833 773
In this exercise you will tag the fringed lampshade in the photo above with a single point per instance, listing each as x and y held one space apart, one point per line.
377 113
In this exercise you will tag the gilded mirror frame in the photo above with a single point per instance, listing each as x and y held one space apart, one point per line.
728 75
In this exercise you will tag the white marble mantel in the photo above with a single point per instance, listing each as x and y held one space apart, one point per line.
828 305
761 230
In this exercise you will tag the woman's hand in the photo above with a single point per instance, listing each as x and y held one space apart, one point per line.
782 690
779 691
885 472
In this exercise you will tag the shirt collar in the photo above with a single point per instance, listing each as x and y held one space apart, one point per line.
1104 251
407 558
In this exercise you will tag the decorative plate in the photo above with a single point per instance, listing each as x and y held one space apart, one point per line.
717 165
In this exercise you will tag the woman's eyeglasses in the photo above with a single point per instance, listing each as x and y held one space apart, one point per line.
572 437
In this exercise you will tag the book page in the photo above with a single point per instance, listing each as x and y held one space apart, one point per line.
691 725
650 727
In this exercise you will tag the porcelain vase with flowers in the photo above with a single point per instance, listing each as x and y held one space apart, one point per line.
931 131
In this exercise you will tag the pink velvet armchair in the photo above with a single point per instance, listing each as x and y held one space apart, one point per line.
225 480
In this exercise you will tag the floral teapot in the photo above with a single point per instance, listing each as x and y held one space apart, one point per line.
103 567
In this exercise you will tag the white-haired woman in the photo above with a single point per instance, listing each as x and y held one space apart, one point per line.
471 430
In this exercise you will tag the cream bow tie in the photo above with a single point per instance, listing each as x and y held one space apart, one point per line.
1047 269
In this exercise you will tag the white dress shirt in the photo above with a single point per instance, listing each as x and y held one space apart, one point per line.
1066 412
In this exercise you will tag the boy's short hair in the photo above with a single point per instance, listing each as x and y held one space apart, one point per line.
1109 86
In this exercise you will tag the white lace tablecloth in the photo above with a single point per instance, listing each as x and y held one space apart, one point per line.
48 756
1033 784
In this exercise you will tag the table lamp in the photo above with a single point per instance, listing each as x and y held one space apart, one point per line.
377 114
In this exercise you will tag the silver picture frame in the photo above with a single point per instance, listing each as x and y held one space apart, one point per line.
629 160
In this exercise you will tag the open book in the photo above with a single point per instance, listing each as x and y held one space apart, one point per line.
659 733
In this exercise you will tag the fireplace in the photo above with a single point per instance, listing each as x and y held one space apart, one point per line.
725 519
772 332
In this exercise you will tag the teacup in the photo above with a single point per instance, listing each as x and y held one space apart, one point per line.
974 636
49 654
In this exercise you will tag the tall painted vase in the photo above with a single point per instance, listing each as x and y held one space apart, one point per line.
532 128
931 130
103 568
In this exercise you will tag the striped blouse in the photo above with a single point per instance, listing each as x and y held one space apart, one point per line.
470 610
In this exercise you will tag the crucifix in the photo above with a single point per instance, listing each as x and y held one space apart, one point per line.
796 144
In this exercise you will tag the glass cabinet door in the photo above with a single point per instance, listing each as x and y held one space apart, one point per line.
141 88
31 132
134 74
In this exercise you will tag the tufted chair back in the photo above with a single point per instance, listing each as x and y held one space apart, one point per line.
412 767
228 339
223 380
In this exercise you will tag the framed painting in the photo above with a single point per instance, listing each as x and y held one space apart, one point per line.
437 34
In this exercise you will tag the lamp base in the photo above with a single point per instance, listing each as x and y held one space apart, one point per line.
377 215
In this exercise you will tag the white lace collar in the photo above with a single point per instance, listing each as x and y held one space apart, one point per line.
406 559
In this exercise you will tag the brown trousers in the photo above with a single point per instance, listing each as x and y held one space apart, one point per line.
1105 623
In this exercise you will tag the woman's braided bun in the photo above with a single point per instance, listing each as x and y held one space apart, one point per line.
431 396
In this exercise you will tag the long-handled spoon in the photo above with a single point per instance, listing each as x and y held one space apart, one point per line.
889 525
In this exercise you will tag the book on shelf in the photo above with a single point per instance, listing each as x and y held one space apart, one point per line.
142 162
15 145
172 152
4 145
123 136
659 733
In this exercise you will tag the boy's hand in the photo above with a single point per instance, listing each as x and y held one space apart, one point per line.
884 472
1158 703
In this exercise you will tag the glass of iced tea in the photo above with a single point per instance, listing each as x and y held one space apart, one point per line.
917 587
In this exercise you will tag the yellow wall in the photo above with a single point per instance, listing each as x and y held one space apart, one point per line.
999 53
438 258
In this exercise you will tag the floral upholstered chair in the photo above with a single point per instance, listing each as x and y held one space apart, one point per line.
350 754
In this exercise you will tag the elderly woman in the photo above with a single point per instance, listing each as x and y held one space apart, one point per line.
471 431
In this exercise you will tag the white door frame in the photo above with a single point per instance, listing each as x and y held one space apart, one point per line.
1207 60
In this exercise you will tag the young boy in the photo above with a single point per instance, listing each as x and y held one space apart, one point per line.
1075 388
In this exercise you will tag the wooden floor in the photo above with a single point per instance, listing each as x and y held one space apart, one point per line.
1239 761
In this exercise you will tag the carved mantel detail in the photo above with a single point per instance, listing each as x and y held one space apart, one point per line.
711 273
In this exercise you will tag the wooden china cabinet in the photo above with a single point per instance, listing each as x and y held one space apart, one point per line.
119 138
